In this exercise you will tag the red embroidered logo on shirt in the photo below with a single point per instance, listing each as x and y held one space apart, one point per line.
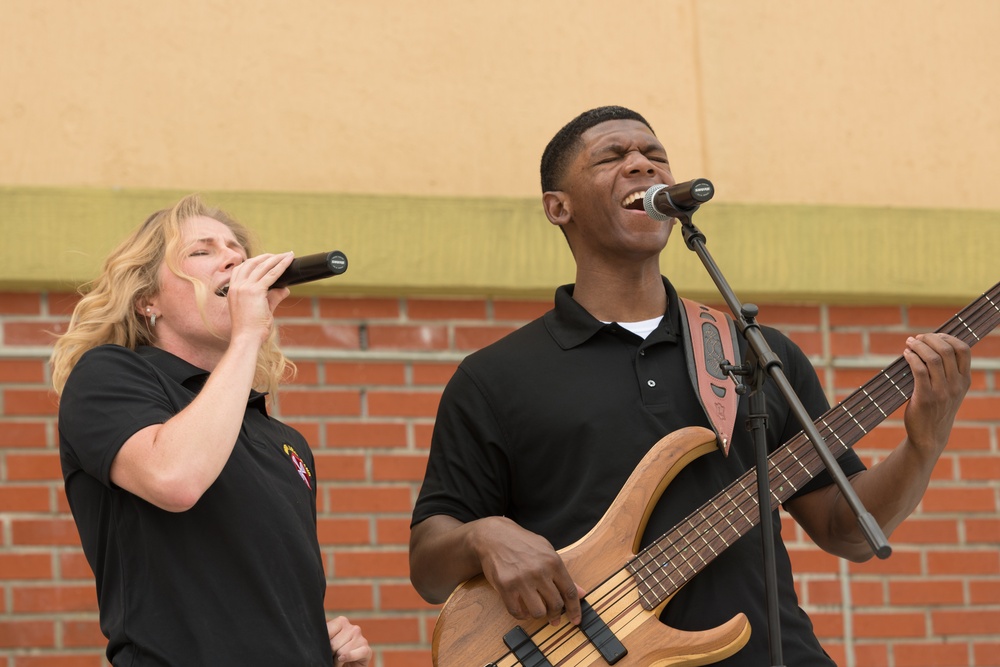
300 465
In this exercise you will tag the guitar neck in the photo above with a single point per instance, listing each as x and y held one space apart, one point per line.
673 559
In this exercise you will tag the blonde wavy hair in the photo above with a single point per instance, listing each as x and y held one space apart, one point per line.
107 312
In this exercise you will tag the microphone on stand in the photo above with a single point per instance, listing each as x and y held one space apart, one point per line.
663 202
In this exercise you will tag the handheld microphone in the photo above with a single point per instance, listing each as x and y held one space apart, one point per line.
663 202
312 267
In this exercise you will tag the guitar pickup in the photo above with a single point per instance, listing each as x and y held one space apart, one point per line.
600 635
520 644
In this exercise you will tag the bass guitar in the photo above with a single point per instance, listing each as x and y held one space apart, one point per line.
628 586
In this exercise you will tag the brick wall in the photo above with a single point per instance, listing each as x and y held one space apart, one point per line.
370 374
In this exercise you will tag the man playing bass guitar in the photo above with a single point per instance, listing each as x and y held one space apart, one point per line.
537 433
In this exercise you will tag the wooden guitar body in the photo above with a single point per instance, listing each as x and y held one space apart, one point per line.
471 627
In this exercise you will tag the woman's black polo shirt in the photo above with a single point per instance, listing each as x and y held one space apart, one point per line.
237 579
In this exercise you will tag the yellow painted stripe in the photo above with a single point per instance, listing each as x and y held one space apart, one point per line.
56 238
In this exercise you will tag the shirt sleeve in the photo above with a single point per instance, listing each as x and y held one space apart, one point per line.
468 471
110 395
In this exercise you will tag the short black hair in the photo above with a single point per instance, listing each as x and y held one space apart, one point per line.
562 147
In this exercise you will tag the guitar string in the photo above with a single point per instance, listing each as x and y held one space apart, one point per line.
873 392
777 470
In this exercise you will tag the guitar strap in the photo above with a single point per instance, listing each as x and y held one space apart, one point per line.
711 343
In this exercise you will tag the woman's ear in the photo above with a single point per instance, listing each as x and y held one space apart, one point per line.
557 207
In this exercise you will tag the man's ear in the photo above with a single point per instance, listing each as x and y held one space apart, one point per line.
557 207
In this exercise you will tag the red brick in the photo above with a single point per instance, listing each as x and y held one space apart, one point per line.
366 434
930 318
926 592
62 303
391 630
864 316
433 374
342 597
19 303
295 306
979 468
48 599
33 467
343 531
520 311
406 658
919 530
370 500
22 370
959 499
887 625
25 565
27 634
811 342
446 309
984 591
969 439
349 564
986 653
871 654
306 373
328 336
33 333
403 403
979 408
339 467
93 659
891 344
783 315
966 622
403 468
821 593
22 498
963 562
45 532
73 565
316 402
19 434
361 373
474 338
359 308
83 634
846 344
392 531
926 654
422 435
982 531
407 337
29 402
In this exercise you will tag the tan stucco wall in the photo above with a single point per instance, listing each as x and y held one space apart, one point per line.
861 138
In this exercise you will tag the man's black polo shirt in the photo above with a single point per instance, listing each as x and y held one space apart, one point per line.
545 426
237 579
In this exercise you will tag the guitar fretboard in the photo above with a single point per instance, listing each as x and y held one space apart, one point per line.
673 559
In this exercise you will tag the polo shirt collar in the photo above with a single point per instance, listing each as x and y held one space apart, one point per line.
571 325
189 375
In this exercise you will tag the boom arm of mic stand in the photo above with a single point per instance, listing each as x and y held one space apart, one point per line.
695 240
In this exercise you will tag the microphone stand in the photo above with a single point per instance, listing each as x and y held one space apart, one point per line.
760 360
